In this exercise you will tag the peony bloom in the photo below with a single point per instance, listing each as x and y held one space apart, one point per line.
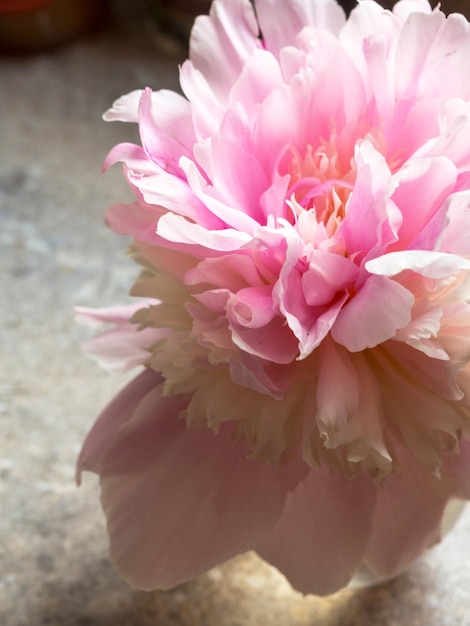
302 217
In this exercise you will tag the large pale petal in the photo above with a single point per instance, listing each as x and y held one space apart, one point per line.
458 466
407 518
181 500
116 413
320 539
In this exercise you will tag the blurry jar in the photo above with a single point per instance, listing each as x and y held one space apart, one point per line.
34 25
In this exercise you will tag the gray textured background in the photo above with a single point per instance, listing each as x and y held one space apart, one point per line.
55 253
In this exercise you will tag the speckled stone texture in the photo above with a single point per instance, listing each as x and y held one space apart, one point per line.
54 253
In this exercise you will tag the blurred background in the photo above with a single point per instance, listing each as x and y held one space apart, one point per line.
32 25
62 63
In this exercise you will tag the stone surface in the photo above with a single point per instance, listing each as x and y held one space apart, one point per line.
54 253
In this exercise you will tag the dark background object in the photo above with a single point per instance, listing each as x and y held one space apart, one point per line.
348 5
33 25
177 16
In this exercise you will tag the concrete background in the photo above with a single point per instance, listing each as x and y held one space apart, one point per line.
55 253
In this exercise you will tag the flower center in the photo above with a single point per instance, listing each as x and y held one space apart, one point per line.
319 184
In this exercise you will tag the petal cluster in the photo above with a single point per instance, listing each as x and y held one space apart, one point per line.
302 218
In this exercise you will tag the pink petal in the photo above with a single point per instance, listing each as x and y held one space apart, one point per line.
229 165
404 8
374 314
125 108
294 16
167 134
365 23
179 230
455 234
125 346
95 318
207 109
432 180
178 500
453 135
439 265
372 219
321 536
252 307
208 195
260 75
225 38
432 55
293 105
134 157
134 220
230 271
273 342
327 275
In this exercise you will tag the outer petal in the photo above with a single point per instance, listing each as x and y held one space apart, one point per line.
320 539
460 471
116 413
407 518
126 345
179 500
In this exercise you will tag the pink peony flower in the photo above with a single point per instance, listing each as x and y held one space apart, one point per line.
303 220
